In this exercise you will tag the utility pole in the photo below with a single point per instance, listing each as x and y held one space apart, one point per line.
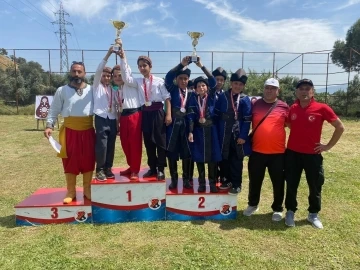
64 62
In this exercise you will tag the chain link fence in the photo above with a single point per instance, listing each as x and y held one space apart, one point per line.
327 77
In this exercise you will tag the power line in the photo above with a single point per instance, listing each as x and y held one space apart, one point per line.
76 37
36 9
51 4
27 15
49 9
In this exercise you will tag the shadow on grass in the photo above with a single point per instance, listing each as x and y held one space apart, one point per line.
33 129
8 221
256 222
198 222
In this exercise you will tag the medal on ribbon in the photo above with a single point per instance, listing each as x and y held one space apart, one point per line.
202 108
235 108
147 101
183 100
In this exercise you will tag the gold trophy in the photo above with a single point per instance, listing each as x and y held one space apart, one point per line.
119 25
195 37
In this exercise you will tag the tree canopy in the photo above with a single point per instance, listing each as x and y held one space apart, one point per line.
341 50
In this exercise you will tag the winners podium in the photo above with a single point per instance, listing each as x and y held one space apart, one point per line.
45 206
188 204
124 200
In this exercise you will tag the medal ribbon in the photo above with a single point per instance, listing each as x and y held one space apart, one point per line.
107 94
119 96
145 89
232 103
183 99
203 106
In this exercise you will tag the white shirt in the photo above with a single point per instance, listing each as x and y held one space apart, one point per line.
129 94
157 93
68 103
103 97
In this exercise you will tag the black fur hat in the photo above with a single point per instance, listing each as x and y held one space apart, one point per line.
185 71
239 75
201 79
220 72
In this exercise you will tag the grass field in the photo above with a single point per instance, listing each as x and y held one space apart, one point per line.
27 162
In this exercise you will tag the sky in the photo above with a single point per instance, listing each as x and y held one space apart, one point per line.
159 28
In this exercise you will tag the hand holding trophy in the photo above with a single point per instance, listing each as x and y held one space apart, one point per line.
119 25
195 37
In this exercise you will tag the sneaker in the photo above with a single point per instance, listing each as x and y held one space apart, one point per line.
108 173
134 176
100 175
234 191
225 185
313 218
289 218
277 216
250 210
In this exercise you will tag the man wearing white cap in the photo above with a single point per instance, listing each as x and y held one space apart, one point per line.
269 116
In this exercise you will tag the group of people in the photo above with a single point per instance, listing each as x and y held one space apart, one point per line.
197 121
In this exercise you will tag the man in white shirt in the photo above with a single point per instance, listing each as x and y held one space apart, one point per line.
77 136
129 107
105 120
152 94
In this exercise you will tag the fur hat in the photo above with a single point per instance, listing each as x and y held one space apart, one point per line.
220 72
201 79
185 71
239 75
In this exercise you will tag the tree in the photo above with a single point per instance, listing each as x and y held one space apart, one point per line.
18 60
342 49
287 89
3 51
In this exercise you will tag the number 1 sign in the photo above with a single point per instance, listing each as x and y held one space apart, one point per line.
123 201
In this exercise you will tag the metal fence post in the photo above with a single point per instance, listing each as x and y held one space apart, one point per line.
302 66
327 77
49 54
16 88
347 90
242 60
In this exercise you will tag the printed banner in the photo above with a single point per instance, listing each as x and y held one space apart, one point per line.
42 106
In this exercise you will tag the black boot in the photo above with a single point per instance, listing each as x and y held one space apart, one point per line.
201 170
191 171
186 171
212 169
150 173
160 174
173 173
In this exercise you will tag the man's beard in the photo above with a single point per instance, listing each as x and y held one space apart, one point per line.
76 79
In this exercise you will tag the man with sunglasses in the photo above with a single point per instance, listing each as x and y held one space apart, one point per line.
105 120
74 102
304 148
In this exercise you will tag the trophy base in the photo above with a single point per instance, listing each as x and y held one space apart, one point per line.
194 59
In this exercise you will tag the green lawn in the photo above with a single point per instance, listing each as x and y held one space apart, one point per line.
27 162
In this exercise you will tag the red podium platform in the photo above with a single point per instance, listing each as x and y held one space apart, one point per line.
188 204
45 206
122 200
